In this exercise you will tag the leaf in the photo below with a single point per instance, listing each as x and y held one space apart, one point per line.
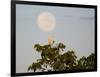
29 68
61 45
38 47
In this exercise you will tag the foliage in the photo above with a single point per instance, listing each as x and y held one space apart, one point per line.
52 59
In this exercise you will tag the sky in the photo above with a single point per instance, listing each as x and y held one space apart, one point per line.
74 27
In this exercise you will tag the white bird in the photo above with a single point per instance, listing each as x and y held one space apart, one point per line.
50 40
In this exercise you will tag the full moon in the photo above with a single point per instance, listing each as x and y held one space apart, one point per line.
46 21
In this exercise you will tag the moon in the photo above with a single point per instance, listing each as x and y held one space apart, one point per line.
46 21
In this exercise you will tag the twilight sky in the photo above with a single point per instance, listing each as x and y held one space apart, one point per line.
74 27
